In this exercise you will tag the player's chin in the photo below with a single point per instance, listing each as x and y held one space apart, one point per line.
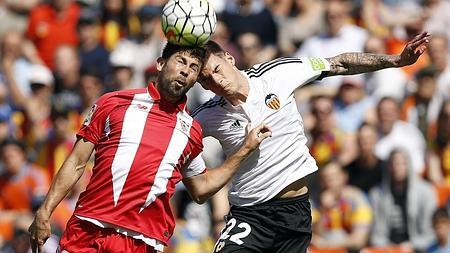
177 90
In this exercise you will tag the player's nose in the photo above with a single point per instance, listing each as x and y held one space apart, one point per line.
184 71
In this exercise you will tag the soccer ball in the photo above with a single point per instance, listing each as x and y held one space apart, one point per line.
188 22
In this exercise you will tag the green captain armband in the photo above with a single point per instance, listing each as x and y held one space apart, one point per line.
317 64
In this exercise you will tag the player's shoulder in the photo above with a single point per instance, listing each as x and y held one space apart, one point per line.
112 96
272 67
209 107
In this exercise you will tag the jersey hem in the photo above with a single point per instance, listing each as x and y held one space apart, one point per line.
164 241
312 167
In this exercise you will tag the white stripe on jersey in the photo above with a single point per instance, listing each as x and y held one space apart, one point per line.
176 146
132 131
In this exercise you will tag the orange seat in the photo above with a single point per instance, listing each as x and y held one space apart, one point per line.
389 249
326 250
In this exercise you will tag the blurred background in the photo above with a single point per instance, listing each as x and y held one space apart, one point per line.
381 140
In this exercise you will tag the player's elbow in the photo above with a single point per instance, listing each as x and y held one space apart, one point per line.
198 195
198 188
200 198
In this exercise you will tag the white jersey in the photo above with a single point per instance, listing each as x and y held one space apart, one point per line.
281 159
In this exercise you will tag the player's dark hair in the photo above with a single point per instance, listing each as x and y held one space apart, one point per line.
171 49
213 47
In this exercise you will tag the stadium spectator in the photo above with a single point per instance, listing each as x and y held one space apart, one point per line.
36 107
91 88
403 206
243 16
308 15
414 25
422 107
366 170
12 44
121 62
394 133
67 78
440 58
352 106
125 207
22 187
51 25
342 217
328 142
339 36
271 179
92 53
386 82
384 18
145 46
14 16
58 142
440 174
441 226
437 21
115 22
252 50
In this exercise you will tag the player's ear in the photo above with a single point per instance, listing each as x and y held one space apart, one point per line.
230 58
160 62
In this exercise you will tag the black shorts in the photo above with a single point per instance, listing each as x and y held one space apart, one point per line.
276 226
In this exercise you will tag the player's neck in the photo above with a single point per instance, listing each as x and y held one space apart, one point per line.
240 96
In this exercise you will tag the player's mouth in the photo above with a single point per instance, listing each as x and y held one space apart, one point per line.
180 83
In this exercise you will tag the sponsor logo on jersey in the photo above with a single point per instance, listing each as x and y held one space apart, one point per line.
88 118
272 101
142 107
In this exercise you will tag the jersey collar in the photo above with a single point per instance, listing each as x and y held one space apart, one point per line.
154 94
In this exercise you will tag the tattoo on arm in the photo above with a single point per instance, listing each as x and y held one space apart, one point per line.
356 63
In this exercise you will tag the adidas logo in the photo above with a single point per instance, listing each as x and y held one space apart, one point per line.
236 125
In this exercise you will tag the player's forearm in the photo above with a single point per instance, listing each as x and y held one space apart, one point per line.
356 63
67 176
216 178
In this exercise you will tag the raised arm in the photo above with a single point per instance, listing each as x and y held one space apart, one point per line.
356 63
67 176
203 186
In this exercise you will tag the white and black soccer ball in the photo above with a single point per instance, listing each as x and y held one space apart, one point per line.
188 22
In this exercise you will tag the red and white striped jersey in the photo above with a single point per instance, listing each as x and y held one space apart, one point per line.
143 144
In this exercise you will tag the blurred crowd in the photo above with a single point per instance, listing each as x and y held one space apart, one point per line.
381 140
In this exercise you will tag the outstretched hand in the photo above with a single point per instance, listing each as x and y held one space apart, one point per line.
414 49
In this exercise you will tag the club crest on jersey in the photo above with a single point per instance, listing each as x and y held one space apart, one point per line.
184 126
272 101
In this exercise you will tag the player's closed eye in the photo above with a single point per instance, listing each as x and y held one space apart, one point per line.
195 68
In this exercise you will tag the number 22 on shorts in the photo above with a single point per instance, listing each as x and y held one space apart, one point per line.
236 238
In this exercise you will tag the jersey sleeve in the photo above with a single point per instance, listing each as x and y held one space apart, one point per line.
296 72
195 167
94 121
